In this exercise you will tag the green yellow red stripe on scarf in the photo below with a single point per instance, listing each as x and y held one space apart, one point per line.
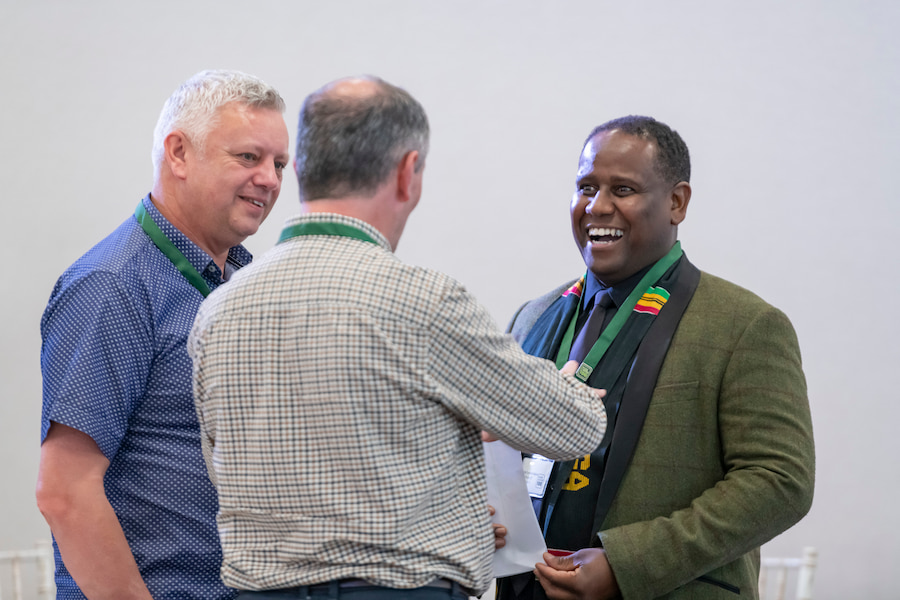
652 300
577 288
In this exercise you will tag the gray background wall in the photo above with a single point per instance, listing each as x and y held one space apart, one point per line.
789 108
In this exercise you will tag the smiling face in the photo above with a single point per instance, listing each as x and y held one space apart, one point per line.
233 181
625 216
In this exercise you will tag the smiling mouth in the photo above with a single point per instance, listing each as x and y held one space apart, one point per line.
254 202
604 235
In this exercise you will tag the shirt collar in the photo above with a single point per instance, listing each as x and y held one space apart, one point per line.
619 292
324 217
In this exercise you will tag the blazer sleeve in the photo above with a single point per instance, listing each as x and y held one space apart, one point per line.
525 317
745 382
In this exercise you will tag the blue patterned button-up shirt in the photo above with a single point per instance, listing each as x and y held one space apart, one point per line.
115 366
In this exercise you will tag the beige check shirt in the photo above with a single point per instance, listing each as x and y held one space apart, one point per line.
340 395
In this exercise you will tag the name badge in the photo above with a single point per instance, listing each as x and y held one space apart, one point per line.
537 474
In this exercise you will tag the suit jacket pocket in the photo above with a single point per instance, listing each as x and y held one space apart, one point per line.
675 392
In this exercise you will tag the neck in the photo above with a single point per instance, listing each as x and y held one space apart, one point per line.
374 210
177 217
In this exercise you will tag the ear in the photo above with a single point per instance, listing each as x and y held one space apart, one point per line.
175 149
681 196
406 171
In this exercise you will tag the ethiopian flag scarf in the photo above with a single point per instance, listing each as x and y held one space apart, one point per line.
553 329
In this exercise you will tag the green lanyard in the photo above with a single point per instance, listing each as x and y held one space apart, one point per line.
166 246
618 321
324 228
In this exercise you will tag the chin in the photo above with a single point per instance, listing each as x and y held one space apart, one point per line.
606 275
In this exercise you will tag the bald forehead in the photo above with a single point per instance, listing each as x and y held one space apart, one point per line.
352 87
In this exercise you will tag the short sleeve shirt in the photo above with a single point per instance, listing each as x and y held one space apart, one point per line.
115 366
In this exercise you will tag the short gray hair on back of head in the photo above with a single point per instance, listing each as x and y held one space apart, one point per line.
194 106
349 145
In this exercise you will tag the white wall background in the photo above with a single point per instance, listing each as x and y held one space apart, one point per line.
790 109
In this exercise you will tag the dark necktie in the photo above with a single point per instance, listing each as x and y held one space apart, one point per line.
590 331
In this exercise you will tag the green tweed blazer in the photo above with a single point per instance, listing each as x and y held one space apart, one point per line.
725 459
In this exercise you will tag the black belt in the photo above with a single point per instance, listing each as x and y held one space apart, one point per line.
443 584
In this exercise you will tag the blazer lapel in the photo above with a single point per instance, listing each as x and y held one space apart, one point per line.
639 389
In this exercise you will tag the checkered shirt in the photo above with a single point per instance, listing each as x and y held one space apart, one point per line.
340 395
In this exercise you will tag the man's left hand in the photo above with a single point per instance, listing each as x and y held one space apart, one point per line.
499 532
583 575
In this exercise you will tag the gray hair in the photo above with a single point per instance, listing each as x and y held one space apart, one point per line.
193 107
349 145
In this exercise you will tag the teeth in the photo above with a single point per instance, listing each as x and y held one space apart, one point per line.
257 203
604 231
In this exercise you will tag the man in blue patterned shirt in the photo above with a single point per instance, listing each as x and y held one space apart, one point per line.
122 482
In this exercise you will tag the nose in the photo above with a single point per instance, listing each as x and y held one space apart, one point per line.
598 204
267 176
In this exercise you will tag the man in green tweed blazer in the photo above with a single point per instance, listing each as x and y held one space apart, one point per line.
709 447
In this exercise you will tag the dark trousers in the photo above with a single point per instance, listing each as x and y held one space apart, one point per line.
520 587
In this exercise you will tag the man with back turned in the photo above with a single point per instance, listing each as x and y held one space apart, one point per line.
341 392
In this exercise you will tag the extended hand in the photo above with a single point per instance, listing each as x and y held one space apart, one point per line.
569 369
583 575
499 532
488 437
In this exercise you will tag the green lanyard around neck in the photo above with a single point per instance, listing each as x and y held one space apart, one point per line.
166 246
325 228
618 321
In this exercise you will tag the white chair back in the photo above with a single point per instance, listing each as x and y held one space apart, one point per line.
775 572
41 573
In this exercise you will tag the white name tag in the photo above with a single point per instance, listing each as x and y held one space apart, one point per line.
537 474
